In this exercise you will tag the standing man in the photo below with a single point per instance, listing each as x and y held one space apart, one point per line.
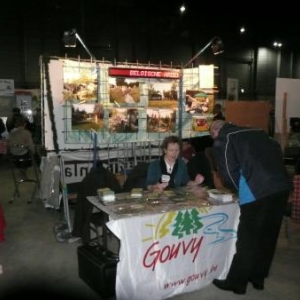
217 111
251 163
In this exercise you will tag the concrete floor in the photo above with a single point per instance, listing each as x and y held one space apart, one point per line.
34 263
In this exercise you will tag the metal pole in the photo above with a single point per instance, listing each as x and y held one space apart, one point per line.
95 151
199 53
180 106
84 46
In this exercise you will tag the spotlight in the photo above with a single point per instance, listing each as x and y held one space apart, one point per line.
217 46
69 38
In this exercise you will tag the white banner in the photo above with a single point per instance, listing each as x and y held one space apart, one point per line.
206 75
166 254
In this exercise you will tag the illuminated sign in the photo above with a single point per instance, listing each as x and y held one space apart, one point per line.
144 73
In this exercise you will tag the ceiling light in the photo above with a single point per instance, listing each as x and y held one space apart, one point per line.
277 44
182 8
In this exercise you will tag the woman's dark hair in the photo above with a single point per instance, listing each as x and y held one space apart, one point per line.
16 110
172 139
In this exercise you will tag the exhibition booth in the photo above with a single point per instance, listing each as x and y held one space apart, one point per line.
116 113
120 112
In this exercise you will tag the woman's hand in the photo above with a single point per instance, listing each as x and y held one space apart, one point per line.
199 179
159 186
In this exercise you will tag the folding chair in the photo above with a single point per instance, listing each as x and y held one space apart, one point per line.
21 159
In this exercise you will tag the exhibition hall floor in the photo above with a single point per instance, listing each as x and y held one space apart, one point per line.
32 260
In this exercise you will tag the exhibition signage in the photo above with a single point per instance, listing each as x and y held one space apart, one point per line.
144 73
174 252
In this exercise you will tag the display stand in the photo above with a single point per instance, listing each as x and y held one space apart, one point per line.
123 111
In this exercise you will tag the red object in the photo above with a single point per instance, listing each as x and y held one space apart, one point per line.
3 146
2 224
188 151
296 200
147 73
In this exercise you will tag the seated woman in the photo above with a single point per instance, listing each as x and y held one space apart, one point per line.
20 136
170 171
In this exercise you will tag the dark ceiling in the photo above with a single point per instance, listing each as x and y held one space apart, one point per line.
105 22
163 17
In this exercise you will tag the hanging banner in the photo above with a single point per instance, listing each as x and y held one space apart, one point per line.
174 252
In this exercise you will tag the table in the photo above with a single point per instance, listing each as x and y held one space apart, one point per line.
171 247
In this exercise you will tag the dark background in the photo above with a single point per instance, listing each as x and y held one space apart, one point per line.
154 32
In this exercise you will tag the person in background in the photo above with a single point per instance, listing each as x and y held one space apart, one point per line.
2 127
37 126
217 112
98 177
170 171
11 120
251 163
197 163
21 136
187 150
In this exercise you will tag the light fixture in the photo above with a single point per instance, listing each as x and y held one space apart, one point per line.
182 8
70 37
277 44
217 47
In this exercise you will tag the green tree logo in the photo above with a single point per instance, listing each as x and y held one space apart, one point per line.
187 223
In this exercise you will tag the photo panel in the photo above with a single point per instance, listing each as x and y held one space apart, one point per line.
198 102
123 120
201 123
163 93
161 120
79 83
124 91
87 116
